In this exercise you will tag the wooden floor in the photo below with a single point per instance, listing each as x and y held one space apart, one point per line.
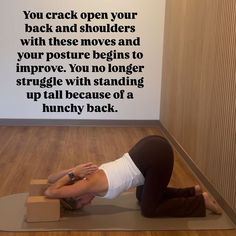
35 152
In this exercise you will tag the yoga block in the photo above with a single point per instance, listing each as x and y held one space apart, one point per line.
38 187
40 208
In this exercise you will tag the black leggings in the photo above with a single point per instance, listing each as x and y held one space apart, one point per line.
154 157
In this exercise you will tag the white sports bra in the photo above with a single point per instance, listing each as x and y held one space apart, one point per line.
121 174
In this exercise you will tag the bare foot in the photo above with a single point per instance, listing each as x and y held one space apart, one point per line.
198 190
211 204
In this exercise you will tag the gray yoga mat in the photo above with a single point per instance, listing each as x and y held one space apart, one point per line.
121 213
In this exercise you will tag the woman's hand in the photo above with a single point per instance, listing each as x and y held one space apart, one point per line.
85 169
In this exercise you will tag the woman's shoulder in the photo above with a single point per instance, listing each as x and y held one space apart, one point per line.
97 181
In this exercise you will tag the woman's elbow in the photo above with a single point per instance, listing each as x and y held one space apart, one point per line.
51 179
50 193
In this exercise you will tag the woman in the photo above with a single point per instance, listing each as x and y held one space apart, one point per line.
147 166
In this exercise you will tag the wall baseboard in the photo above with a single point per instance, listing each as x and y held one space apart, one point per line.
197 172
64 122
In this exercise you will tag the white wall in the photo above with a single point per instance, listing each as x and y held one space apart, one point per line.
149 26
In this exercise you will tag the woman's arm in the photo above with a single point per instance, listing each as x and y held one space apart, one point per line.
82 170
63 188
54 177
96 184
